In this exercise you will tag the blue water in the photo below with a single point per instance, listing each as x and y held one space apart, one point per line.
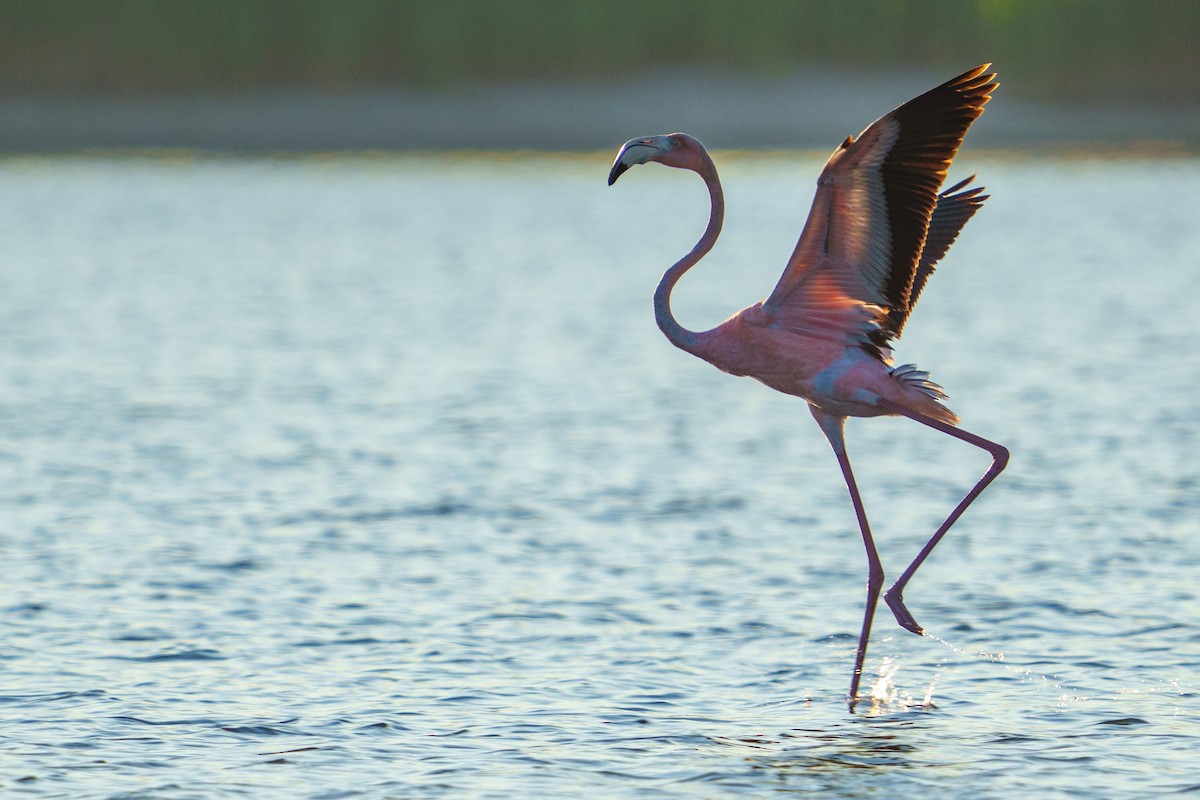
372 477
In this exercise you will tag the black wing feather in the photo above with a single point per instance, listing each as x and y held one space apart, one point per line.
953 209
931 128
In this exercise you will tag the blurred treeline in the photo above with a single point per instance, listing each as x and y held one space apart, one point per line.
1066 51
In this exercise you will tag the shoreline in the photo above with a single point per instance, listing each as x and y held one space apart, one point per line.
809 110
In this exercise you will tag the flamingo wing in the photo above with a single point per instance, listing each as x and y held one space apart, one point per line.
870 241
954 207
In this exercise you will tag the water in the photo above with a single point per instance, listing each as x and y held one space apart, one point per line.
374 478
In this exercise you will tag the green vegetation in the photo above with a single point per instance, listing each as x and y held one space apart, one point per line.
1063 50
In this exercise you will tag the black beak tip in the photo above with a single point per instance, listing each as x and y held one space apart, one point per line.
617 171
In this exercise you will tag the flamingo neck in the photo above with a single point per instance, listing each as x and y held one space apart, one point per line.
678 335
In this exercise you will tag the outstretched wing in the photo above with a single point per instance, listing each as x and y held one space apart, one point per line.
953 209
856 263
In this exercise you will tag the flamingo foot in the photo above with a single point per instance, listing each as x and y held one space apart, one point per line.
903 616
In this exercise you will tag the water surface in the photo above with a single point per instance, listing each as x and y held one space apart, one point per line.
371 477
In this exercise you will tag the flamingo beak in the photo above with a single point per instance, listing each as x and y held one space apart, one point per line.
618 169
635 151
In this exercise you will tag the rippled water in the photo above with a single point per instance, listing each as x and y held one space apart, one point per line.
374 478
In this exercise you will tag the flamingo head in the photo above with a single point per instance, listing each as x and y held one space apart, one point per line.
673 149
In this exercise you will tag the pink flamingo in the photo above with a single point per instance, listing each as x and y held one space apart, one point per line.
877 228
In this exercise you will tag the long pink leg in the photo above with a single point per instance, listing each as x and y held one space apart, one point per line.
834 428
895 595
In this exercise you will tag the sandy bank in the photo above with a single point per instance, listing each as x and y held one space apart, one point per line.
811 109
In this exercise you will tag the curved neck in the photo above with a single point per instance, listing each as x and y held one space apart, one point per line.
680 336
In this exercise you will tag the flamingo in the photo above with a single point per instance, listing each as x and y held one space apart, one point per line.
877 228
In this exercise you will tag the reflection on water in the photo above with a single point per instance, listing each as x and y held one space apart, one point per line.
375 476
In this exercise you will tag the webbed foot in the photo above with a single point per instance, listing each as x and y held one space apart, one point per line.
895 602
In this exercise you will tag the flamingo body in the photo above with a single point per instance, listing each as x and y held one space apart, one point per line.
877 228
840 379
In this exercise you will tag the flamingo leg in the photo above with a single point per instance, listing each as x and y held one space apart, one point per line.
834 428
895 595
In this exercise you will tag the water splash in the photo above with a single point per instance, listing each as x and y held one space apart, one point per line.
883 690
886 696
